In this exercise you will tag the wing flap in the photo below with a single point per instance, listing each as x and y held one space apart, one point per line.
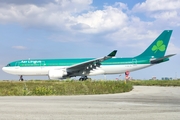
96 62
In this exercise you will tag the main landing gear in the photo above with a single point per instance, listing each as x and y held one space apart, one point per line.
83 78
21 78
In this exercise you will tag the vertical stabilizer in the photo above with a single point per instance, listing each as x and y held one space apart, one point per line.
159 46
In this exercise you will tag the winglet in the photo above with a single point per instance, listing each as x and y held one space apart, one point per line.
112 54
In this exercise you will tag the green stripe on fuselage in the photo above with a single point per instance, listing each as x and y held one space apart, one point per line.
69 62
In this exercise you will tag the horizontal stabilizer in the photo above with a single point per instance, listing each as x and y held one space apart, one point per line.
158 60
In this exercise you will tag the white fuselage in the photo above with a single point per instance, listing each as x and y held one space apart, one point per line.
44 71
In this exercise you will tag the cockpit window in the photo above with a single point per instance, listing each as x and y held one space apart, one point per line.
8 65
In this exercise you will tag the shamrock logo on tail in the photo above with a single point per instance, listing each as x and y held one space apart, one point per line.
159 46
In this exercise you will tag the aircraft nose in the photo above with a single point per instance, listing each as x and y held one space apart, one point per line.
4 69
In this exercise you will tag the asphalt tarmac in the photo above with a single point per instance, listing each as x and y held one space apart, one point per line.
142 103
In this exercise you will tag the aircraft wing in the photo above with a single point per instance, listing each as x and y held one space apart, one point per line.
90 63
158 60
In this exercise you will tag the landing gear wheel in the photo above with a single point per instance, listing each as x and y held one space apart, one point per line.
80 79
83 78
21 78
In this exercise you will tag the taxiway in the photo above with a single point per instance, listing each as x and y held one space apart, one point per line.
142 103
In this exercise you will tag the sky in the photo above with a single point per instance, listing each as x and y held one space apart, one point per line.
88 28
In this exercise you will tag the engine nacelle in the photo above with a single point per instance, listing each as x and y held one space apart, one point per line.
57 74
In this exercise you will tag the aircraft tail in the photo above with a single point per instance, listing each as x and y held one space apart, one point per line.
158 47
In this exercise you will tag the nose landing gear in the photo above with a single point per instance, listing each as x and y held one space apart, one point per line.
21 78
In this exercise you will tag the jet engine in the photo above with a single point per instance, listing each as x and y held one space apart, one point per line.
57 74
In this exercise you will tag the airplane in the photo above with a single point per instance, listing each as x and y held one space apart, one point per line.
67 68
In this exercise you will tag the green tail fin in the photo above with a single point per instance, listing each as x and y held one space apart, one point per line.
159 46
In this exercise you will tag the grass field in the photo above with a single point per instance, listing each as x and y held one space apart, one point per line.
68 87
27 88
156 82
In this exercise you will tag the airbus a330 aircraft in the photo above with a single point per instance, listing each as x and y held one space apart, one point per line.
65 68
